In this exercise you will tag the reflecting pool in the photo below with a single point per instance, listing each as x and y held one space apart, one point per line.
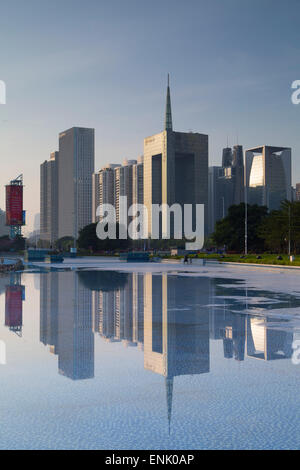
146 360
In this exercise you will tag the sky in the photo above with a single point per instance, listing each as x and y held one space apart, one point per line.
104 65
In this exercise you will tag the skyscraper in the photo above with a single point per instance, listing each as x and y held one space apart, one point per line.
49 199
123 185
175 167
216 201
138 182
103 188
226 184
268 176
75 168
227 157
238 174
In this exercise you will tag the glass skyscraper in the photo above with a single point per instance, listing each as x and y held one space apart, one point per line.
268 176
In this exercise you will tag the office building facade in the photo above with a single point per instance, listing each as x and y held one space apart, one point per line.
175 168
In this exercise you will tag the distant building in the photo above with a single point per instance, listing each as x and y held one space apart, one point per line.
238 175
226 185
4 230
227 157
49 199
75 168
216 202
37 222
268 176
175 168
297 192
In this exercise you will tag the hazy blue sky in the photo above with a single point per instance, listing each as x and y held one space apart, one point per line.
104 64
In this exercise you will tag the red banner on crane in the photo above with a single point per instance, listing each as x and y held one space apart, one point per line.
14 205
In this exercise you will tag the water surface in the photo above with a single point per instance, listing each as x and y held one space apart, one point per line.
112 360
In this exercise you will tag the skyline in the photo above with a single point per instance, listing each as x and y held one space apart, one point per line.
231 73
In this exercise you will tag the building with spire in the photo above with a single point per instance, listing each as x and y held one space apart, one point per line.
175 168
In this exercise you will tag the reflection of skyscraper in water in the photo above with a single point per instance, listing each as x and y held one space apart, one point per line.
138 308
266 342
104 314
119 313
66 323
126 314
261 337
14 296
49 310
76 339
234 337
230 328
176 331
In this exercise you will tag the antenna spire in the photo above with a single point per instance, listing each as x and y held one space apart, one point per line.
168 116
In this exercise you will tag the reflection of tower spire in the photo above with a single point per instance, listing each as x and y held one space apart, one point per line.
169 394
168 117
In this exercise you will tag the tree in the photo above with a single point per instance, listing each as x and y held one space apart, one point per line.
88 240
282 228
64 243
230 231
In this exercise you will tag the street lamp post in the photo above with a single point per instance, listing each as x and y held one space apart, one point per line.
246 207
289 229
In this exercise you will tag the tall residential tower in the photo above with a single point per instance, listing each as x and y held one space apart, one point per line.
75 168
49 199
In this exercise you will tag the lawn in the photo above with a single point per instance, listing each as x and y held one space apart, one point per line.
265 259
